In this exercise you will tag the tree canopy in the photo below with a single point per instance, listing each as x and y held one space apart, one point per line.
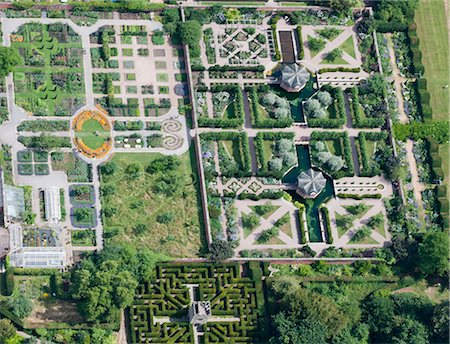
9 58
434 254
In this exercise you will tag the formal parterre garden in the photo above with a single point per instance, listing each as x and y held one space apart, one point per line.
49 82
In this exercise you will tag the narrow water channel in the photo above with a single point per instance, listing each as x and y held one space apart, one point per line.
312 205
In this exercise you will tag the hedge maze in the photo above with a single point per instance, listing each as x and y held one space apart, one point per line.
230 293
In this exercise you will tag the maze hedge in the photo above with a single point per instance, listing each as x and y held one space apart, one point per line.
230 294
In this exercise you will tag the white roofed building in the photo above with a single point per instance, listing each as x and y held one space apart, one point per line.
52 204
294 77
39 257
310 183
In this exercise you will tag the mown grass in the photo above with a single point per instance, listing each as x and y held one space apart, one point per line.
432 29
431 20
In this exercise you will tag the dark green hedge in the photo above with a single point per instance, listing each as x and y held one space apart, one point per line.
245 168
369 169
301 211
326 224
359 197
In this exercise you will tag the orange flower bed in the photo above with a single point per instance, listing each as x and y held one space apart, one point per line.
78 125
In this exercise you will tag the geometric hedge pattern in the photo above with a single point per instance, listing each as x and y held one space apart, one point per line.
230 294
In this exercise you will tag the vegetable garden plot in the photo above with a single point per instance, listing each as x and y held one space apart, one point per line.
50 81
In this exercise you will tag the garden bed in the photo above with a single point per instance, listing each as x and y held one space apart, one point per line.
83 237
83 217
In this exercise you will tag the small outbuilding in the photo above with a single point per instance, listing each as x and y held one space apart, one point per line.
310 183
294 77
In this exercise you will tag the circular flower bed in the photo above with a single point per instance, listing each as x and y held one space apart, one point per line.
92 134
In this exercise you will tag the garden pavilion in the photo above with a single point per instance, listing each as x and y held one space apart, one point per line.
310 183
294 77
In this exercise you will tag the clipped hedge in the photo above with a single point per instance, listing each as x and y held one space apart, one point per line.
238 105
267 194
277 56
301 211
359 119
301 51
8 277
258 121
369 169
385 26
326 224
359 197
340 69
436 130
245 167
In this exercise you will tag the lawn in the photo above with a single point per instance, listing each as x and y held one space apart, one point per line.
146 217
349 47
92 134
434 47
433 34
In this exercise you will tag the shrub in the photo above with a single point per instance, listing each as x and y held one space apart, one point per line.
326 224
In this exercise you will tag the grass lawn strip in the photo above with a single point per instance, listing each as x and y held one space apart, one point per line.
434 46
349 47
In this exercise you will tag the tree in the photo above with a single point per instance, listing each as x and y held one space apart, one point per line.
7 330
269 98
103 289
133 170
220 250
284 145
190 32
440 322
275 164
290 331
319 113
334 54
434 254
9 58
311 106
108 168
324 156
335 163
281 112
410 331
316 44
324 98
342 7
289 158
